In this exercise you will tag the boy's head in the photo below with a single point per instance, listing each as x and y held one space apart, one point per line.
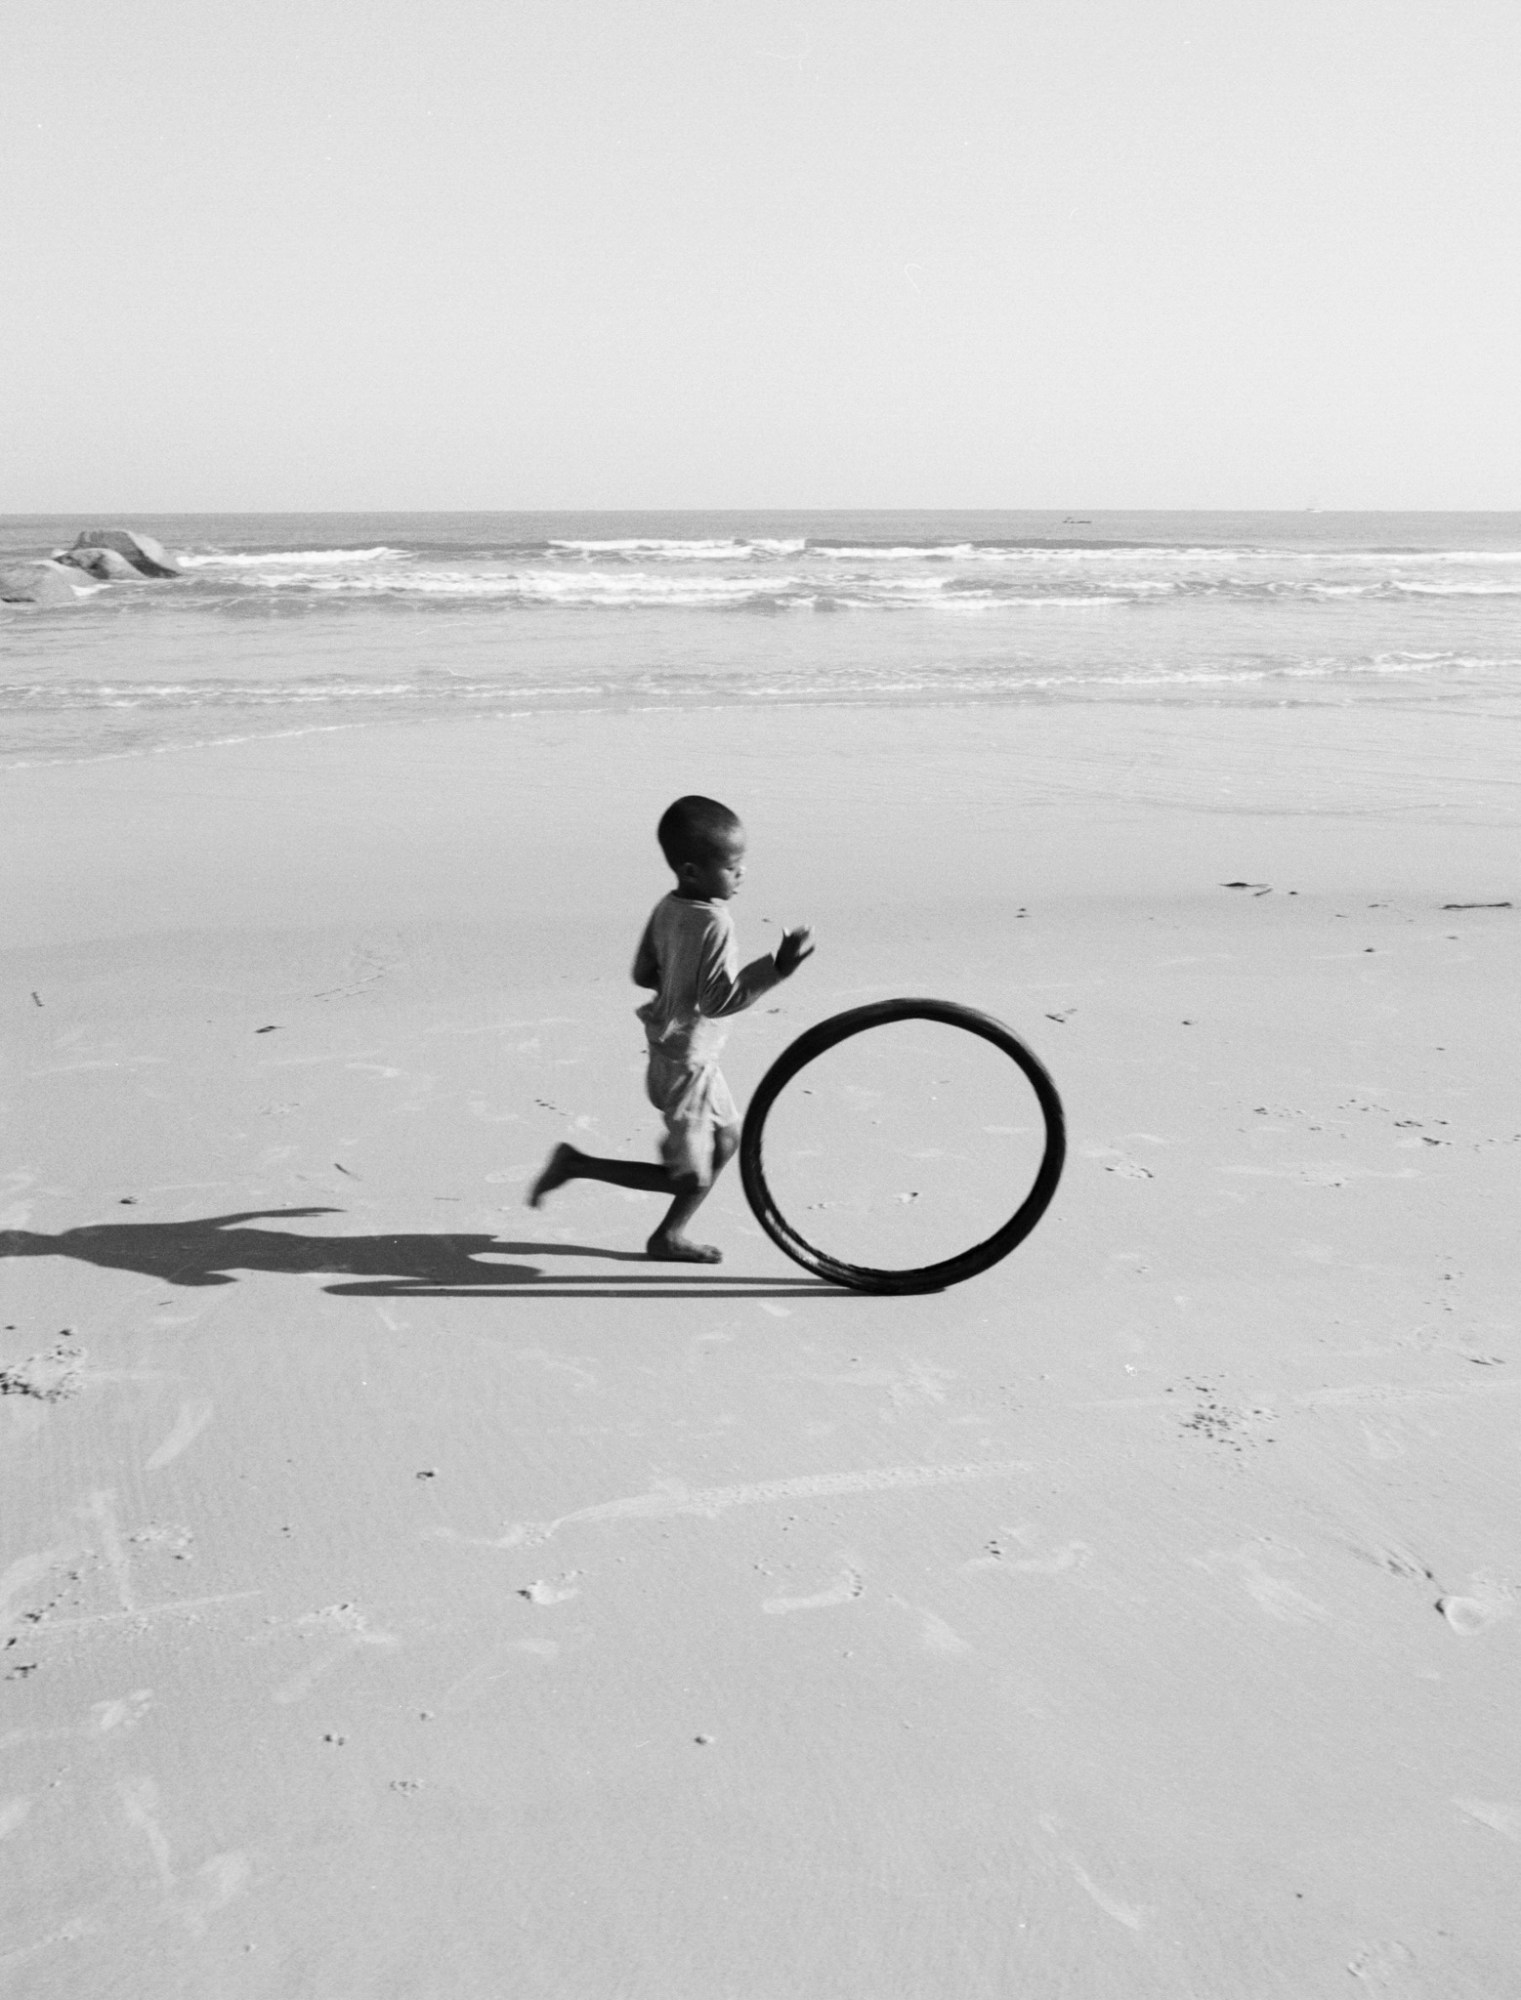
704 844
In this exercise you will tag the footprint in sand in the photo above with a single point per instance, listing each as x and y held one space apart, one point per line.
124 1713
849 1586
559 1592
479 1108
345 1619
1469 1616
1389 1967
211 1888
1382 1444
1071 1555
170 1538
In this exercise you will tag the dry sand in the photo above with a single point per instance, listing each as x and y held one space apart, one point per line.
409 1595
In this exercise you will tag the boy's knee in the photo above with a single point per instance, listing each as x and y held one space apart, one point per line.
725 1145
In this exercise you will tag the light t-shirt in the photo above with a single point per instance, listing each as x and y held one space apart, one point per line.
690 948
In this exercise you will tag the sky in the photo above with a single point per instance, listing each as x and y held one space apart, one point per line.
306 254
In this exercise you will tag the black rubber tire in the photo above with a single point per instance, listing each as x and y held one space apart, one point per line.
925 1277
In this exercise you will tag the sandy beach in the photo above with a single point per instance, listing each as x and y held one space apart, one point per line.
409 1594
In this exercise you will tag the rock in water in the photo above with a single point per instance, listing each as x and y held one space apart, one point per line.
105 565
41 583
144 554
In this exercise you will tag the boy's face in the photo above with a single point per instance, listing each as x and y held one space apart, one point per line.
717 876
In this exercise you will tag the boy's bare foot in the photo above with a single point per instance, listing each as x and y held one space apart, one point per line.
558 1169
680 1250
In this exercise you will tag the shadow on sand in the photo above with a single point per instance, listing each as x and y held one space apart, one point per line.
208 1250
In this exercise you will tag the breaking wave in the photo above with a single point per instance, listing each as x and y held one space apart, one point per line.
798 572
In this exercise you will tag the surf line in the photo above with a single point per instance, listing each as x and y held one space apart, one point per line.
711 1501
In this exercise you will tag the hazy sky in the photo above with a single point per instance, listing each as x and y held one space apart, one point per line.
605 253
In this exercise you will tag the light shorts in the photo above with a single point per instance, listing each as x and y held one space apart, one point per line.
695 1103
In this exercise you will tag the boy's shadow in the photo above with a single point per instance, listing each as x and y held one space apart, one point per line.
208 1250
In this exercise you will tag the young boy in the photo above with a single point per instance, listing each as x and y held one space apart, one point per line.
689 956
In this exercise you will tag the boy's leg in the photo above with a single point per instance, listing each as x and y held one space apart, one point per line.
670 1244
695 1106
569 1163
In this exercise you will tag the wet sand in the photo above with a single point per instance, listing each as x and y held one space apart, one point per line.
406 1592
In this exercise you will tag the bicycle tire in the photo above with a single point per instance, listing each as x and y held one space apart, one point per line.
937 1277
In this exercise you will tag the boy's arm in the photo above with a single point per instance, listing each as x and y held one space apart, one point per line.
723 989
722 994
646 965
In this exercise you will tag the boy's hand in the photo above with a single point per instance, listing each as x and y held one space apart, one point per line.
793 949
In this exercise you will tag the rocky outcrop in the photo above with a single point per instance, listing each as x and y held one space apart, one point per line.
105 565
42 583
147 557
99 555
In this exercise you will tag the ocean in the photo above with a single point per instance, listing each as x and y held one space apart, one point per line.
300 622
